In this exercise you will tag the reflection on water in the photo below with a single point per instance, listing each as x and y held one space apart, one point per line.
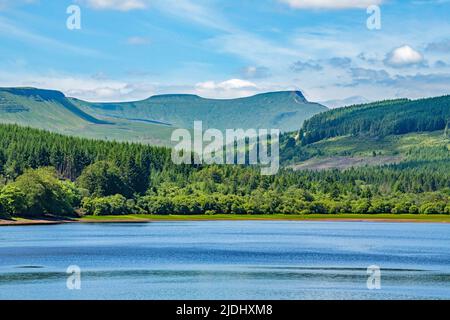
226 260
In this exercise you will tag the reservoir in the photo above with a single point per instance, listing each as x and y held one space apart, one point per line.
226 260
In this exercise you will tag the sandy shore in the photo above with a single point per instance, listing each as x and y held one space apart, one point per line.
148 219
29 222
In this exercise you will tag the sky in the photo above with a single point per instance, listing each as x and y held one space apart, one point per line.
132 49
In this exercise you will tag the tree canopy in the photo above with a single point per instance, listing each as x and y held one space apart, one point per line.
43 173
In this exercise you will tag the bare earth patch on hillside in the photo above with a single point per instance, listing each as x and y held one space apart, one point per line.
341 163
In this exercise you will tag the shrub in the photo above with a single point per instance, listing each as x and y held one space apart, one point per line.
3 213
380 206
414 209
38 192
318 207
111 205
155 205
447 209
432 208
360 206
102 179
12 201
404 207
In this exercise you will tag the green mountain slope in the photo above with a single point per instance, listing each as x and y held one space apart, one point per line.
153 120
387 132
352 151
51 110
379 119
41 107
277 110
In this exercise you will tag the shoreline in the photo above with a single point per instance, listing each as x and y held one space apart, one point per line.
391 218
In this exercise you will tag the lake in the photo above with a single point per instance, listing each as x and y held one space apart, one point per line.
226 260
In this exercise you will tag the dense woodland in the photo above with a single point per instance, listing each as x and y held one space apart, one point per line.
44 173
379 119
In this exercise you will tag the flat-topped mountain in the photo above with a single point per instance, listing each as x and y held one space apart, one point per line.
152 120
285 110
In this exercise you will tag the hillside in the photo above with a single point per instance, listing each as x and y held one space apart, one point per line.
352 151
279 110
379 119
380 133
150 121
36 106
51 110
370 134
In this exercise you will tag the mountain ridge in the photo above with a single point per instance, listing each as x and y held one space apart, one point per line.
284 110
153 119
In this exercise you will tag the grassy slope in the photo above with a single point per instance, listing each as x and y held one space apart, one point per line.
281 110
346 151
388 146
38 113
49 110
390 130
153 120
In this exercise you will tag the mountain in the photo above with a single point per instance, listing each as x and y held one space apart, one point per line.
36 106
51 110
152 120
285 110
379 119
379 133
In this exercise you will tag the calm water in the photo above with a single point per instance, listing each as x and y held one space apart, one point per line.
226 260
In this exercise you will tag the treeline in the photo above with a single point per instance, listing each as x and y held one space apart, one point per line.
48 174
229 190
22 148
379 119
238 190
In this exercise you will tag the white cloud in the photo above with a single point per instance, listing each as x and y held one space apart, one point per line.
331 4
226 85
403 56
232 88
120 5
99 88
92 88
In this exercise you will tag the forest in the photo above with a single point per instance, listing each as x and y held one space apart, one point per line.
44 173
391 117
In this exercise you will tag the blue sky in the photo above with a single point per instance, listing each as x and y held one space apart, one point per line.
132 49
